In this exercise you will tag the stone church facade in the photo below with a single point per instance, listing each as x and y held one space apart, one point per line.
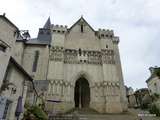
82 67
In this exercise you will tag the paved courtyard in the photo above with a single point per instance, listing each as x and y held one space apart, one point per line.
131 115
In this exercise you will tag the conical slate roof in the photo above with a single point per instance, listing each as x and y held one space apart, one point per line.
47 24
44 35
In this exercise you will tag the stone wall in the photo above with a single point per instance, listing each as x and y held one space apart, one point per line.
154 85
16 89
90 54
8 36
42 63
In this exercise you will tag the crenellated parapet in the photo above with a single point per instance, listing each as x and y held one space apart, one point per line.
115 40
105 33
61 29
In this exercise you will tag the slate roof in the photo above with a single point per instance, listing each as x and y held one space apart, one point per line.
43 38
36 41
44 34
41 85
81 19
47 24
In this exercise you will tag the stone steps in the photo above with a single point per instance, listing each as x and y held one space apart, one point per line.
82 111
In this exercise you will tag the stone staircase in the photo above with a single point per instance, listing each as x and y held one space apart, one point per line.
82 111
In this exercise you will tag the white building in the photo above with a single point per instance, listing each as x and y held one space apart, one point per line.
14 80
153 82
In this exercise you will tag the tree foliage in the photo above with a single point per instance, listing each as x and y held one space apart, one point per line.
35 113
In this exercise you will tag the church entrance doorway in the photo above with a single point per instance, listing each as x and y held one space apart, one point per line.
82 93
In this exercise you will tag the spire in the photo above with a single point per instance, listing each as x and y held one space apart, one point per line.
47 24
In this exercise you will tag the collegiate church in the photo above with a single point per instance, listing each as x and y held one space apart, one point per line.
79 65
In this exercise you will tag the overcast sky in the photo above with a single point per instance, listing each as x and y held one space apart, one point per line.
136 22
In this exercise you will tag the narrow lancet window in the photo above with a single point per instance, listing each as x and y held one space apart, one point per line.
81 28
35 62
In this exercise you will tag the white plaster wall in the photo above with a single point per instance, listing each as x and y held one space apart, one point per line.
151 85
7 36
17 78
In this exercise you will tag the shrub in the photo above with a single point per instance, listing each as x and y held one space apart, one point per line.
39 113
154 110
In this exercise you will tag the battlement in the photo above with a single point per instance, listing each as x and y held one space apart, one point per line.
115 40
105 33
59 28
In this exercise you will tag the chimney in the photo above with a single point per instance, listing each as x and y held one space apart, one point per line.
151 70
4 14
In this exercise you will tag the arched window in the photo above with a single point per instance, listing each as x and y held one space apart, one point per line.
35 62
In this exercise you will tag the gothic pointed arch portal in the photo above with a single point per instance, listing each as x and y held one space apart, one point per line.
82 93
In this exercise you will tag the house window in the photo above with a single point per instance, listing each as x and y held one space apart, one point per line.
106 46
6 109
35 62
2 48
